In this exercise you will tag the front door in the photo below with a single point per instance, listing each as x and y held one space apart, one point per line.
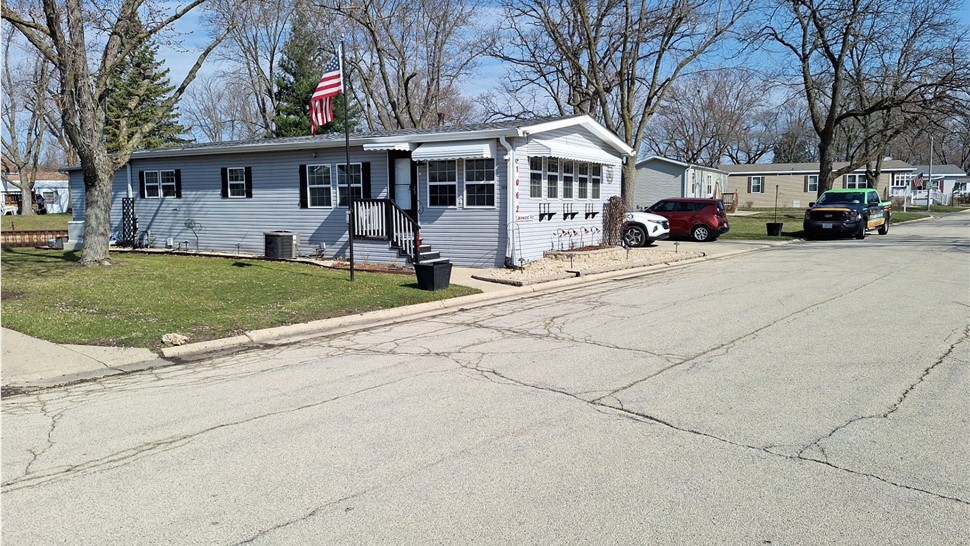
405 188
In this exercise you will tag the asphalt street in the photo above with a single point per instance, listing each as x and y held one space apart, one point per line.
814 393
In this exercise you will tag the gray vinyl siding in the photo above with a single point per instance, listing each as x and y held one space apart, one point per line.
657 180
469 237
533 237
238 224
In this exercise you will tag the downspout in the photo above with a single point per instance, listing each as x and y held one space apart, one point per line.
129 178
510 200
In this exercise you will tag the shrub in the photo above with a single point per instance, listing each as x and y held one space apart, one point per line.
614 213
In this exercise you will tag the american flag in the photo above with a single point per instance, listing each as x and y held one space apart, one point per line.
918 183
321 102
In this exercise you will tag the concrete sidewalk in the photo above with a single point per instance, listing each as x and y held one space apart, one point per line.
29 363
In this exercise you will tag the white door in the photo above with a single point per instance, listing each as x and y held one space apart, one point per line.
402 183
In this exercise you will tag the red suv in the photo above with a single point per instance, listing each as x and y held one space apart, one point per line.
700 219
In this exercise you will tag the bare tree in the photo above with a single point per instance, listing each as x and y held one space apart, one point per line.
950 132
220 108
251 53
795 140
410 58
867 65
614 59
26 95
85 42
712 115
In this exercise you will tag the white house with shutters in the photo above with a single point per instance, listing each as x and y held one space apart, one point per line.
484 195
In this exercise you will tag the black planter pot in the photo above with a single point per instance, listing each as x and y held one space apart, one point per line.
433 276
774 228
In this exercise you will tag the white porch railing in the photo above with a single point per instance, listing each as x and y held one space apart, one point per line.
382 219
918 197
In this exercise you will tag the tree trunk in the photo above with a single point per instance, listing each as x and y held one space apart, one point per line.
98 182
825 177
629 181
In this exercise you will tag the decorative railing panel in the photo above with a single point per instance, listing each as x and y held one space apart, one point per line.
382 219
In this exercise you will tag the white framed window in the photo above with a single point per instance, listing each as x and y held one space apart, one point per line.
442 184
552 178
708 185
319 186
356 183
236 180
535 177
756 184
159 184
479 183
582 180
856 181
595 180
568 176
811 183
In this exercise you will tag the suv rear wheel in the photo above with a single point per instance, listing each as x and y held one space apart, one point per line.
701 233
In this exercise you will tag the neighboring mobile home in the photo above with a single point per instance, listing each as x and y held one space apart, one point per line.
51 185
947 180
798 182
660 177
482 196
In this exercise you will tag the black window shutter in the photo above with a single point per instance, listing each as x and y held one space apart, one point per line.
178 183
749 183
365 179
249 182
225 183
141 184
805 186
304 201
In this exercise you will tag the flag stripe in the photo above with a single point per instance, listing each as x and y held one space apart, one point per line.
321 102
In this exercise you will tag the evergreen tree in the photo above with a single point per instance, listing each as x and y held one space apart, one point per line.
142 86
301 66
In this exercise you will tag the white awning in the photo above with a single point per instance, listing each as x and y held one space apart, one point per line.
564 150
467 149
397 146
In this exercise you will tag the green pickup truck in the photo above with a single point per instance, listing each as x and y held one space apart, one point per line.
847 212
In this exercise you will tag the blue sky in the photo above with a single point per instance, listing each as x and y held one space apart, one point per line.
490 72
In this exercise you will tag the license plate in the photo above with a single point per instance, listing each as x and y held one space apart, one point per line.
826 226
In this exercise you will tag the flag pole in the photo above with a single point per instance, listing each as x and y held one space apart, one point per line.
350 187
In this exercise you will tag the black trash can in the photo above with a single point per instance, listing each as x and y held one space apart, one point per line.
433 276
774 228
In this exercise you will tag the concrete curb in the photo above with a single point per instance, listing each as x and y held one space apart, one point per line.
25 387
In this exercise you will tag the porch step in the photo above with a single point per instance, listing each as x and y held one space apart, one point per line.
434 260
425 253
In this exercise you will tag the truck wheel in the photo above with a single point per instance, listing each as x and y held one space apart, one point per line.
863 224
884 229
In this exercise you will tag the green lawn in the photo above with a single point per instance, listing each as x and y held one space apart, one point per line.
36 222
753 227
144 296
